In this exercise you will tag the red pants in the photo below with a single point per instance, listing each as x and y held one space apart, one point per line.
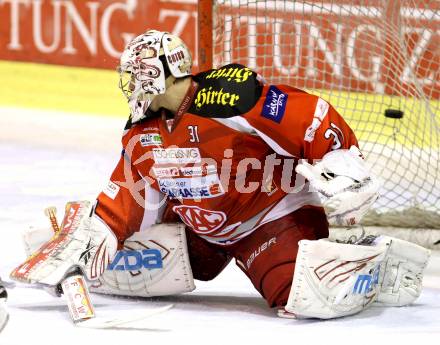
267 256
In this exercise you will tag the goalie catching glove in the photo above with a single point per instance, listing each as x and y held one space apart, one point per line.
344 179
84 242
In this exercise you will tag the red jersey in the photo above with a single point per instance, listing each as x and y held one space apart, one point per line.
225 162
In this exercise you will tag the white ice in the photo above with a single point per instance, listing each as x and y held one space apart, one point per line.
48 158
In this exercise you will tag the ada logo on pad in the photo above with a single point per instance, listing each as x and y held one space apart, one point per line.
275 104
134 260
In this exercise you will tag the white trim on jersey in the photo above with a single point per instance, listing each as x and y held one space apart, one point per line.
238 123
152 215
290 203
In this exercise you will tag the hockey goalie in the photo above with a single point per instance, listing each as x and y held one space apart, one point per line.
219 166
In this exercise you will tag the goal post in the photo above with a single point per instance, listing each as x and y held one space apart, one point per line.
205 34
376 61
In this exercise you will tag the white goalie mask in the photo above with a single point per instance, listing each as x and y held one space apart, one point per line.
146 63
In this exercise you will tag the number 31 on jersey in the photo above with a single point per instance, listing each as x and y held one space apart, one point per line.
193 134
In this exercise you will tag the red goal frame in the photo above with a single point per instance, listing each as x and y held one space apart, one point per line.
204 27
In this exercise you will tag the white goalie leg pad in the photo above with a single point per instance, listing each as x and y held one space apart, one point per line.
334 279
84 242
154 262
401 272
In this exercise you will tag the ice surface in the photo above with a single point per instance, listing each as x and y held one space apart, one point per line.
51 158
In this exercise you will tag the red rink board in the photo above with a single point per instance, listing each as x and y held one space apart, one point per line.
86 33
93 34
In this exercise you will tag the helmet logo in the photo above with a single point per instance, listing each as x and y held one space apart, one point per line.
175 57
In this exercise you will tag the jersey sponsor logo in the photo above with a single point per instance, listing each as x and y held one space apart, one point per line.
202 221
191 188
150 139
165 172
198 170
177 155
226 92
134 260
111 190
321 111
237 74
275 104
219 97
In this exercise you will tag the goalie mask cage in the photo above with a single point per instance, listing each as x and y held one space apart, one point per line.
376 61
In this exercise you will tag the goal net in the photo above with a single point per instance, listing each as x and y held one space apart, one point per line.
376 61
